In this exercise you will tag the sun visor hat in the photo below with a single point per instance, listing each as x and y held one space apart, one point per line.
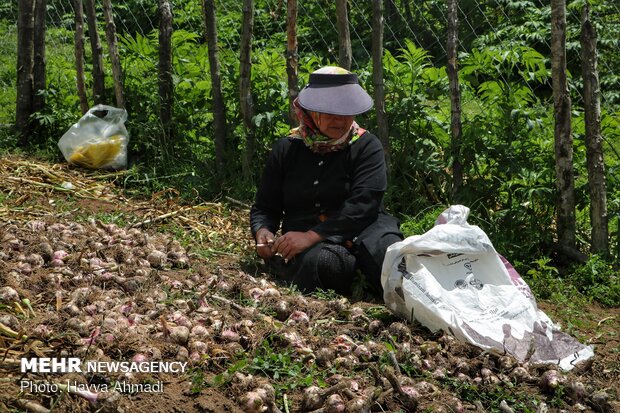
336 94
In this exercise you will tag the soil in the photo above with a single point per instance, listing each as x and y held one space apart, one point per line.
117 279
177 398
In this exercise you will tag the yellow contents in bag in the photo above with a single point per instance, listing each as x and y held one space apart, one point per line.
96 155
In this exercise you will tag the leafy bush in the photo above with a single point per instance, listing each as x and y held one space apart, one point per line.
594 280
422 222
418 111
544 280
598 279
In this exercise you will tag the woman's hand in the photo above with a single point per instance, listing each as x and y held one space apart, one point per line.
264 241
294 242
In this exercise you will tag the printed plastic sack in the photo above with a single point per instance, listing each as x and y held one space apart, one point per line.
456 281
97 142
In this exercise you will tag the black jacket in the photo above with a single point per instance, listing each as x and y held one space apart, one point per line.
298 186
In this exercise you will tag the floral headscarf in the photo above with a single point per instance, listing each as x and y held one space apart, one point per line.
309 132
312 137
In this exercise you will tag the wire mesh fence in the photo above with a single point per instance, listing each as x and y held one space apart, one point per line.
503 23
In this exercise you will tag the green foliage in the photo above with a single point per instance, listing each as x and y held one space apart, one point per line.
271 102
281 365
511 63
419 122
507 151
8 10
421 222
197 378
381 312
598 279
187 14
326 295
526 23
8 72
543 278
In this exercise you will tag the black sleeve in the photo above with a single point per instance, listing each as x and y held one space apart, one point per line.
267 208
368 184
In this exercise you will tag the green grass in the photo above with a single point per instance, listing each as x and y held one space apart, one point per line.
286 372
4 198
327 295
282 367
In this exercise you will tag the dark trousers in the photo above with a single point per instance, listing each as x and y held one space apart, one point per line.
330 266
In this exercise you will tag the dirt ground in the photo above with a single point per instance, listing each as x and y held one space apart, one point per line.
114 278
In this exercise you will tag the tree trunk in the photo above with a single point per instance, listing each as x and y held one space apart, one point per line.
79 55
390 12
408 15
392 20
291 58
245 86
377 79
38 70
219 108
110 34
456 129
165 72
344 38
565 181
594 141
97 52
25 40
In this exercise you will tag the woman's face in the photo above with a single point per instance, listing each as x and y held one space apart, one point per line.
332 126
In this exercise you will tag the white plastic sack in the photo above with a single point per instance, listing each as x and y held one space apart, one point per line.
455 281
95 142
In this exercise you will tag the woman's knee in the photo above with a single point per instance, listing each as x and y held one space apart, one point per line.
335 268
335 258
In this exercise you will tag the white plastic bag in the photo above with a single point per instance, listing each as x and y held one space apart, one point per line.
97 142
456 281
